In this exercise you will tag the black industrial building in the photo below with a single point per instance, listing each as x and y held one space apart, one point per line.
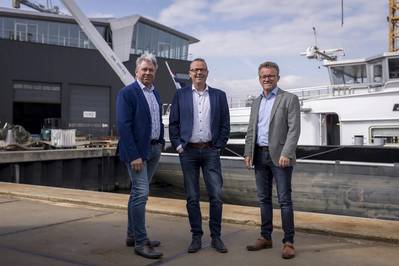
49 68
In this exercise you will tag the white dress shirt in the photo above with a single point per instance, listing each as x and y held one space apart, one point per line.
201 116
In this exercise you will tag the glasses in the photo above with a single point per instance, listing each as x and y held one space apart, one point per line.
268 77
195 70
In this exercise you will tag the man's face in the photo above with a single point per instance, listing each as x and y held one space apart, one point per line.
198 72
145 72
268 78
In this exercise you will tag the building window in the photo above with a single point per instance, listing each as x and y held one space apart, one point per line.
46 32
163 44
1 28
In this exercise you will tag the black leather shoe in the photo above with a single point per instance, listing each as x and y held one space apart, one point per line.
217 244
147 251
130 242
195 245
153 243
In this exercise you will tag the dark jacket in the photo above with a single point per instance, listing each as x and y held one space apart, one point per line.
181 117
134 123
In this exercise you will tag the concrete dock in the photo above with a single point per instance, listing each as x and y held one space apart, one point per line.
56 226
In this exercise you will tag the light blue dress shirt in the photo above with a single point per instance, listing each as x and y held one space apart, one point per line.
265 110
154 110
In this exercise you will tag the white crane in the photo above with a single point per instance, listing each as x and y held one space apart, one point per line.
314 52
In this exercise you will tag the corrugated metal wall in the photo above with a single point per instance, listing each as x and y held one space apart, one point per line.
89 109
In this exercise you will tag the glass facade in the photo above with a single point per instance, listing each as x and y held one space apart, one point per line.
46 32
163 44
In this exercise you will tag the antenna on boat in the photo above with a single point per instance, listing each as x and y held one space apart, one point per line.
342 13
314 52
315 36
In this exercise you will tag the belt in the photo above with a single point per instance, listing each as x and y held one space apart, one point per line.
262 148
200 145
154 141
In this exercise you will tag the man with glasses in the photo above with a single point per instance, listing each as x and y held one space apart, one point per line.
199 126
270 144
141 138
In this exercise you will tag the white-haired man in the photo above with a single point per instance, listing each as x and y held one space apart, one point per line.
141 132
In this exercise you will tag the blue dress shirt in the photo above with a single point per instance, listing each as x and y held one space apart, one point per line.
265 110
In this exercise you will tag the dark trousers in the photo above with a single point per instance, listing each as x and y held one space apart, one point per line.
265 170
208 159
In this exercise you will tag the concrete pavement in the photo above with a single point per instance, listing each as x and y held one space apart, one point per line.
371 229
41 232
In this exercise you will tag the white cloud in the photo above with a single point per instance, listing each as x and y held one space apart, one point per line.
292 37
276 27
237 90
251 42
236 35
294 81
184 12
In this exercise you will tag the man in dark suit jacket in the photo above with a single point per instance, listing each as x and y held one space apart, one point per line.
199 127
270 144
140 141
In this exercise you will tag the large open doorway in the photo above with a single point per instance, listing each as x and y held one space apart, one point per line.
332 129
32 115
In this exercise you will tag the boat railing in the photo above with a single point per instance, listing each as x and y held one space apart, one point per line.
392 83
336 90
312 92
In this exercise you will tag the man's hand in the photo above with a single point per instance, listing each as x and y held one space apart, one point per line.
137 165
284 161
248 162
180 150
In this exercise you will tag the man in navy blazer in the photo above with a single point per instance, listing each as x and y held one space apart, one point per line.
199 127
139 119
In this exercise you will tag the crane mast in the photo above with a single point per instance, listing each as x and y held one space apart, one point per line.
393 19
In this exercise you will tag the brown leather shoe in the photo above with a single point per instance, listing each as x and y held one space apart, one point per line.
261 243
288 251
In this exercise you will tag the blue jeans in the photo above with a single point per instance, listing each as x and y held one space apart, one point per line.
265 170
139 195
208 159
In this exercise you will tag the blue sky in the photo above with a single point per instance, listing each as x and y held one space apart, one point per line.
237 35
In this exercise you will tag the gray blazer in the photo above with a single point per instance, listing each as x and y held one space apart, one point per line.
284 128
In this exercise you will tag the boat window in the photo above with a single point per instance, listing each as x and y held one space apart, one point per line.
381 135
351 74
377 73
393 64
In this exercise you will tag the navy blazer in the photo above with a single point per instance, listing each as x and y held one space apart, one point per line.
181 117
133 118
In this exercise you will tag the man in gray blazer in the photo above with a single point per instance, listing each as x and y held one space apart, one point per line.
270 144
